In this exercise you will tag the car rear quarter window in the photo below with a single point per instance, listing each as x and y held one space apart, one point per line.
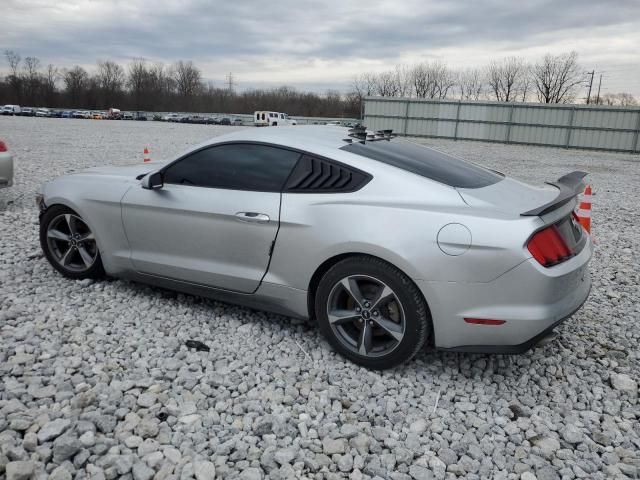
234 167
426 162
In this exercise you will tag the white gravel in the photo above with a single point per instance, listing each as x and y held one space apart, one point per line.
97 383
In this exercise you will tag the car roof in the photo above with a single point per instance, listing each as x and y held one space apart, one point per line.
311 138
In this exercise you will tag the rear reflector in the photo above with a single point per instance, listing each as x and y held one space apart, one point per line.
3 146
484 321
548 247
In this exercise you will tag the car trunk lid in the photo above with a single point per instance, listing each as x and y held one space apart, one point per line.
520 199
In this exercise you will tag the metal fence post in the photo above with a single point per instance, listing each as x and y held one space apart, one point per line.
570 127
406 117
635 148
455 132
509 123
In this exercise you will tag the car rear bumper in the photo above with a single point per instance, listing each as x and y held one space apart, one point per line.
531 299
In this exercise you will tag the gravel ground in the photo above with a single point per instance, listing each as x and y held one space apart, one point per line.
97 382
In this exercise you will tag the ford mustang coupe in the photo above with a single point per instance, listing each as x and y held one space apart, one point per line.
387 244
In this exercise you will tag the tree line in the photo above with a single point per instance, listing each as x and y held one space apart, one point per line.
144 86
551 79
180 87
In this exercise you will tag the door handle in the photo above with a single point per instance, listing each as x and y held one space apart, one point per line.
252 217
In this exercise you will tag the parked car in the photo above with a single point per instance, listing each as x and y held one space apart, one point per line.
140 116
171 117
198 119
6 166
224 121
78 114
237 122
127 116
27 112
272 119
11 110
96 116
67 114
334 123
387 244
113 114
210 120
43 112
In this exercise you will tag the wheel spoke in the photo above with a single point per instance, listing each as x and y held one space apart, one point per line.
86 257
365 342
392 328
66 258
339 317
71 222
58 235
87 236
350 284
384 296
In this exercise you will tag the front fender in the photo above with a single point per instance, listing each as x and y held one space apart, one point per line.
98 202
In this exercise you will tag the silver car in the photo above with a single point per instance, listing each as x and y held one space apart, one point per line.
387 244
6 166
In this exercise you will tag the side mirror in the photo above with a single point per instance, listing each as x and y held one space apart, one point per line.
153 181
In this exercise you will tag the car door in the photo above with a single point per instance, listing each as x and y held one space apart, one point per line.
215 218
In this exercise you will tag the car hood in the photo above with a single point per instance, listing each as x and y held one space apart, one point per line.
509 196
123 171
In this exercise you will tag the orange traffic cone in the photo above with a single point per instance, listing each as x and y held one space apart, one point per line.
146 155
584 212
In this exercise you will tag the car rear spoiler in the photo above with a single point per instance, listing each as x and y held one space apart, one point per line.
570 185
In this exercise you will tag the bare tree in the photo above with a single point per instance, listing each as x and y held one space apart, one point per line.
76 81
385 84
362 86
138 81
471 84
31 78
187 79
556 78
49 84
432 80
403 80
13 59
110 79
506 78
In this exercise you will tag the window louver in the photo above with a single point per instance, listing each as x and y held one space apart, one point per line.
318 175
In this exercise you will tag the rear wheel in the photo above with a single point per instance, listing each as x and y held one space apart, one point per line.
371 312
69 244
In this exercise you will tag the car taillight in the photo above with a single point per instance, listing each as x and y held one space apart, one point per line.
548 247
3 146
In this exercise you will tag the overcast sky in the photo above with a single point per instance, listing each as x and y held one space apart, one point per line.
323 44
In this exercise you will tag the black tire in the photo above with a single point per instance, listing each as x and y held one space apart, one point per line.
94 270
407 301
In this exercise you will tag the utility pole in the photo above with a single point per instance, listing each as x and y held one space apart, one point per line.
599 84
230 82
592 73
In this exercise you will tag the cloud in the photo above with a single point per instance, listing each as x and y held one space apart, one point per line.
321 43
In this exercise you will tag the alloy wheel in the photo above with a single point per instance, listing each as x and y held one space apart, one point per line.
72 243
366 315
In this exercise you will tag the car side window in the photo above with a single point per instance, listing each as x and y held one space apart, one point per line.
234 167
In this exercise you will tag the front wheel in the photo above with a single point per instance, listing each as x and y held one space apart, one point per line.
371 312
69 244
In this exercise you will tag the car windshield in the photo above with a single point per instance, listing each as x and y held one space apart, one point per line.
426 162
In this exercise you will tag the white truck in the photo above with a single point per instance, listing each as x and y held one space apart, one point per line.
272 119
